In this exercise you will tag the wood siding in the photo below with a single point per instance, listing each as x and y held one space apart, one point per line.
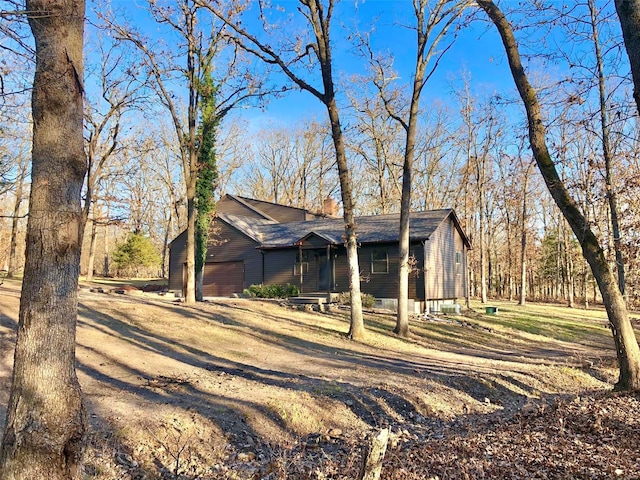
380 285
278 267
438 277
226 244
445 280
177 259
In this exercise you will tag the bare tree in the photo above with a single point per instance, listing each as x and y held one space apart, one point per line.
45 423
318 50
375 141
201 45
627 349
433 22
629 14
119 86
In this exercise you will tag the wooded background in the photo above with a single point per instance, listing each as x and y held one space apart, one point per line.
472 151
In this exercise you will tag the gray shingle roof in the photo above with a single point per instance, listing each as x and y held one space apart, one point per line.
372 229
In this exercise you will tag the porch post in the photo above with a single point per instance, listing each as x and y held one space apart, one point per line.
300 265
330 276
424 275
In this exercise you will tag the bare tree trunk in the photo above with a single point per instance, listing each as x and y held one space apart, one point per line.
15 221
523 262
627 349
190 264
356 325
483 255
92 250
45 423
606 151
523 241
105 266
568 261
629 14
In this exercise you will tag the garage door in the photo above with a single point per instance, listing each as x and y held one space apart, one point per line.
223 279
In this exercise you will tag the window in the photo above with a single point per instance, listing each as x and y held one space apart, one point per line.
379 261
458 263
304 264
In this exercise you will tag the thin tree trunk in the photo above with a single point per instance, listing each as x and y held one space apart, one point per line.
190 250
45 424
168 233
523 241
523 262
570 283
627 349
629 14
15 222
606 152
105 266
92 250
483 255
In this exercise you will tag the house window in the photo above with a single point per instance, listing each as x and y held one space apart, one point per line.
458 263
301 264
379 261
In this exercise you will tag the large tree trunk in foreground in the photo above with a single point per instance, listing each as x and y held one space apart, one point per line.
626 344
629 14
356 324
45 420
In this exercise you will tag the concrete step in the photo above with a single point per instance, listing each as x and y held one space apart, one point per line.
308 300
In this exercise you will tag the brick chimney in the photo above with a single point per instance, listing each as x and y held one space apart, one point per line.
330 207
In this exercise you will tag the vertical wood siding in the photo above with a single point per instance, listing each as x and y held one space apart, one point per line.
278 267
226 244
444 280
177 259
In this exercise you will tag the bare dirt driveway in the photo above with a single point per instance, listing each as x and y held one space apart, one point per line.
239 388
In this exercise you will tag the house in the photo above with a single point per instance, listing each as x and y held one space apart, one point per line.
256 242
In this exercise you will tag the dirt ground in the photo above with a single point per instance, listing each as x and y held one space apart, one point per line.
238 388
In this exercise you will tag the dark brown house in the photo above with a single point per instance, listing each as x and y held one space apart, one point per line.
256 242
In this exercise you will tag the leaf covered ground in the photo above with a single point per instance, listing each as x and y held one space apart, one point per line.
246 389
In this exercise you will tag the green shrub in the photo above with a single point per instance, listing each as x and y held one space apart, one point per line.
368 301
136 255
272 291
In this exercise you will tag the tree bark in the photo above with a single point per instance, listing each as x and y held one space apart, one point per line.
627 349
612 196
629 15
92 250
318 17
523 241
356 324
16 217
374 455
45 423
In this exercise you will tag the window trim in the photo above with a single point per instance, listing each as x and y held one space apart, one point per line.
304 265
375 262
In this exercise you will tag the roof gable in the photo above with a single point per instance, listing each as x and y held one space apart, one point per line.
274 211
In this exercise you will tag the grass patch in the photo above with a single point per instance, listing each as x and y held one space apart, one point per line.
553 321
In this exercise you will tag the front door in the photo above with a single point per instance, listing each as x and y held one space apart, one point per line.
324 273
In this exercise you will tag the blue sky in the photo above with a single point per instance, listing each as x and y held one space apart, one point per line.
477 51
